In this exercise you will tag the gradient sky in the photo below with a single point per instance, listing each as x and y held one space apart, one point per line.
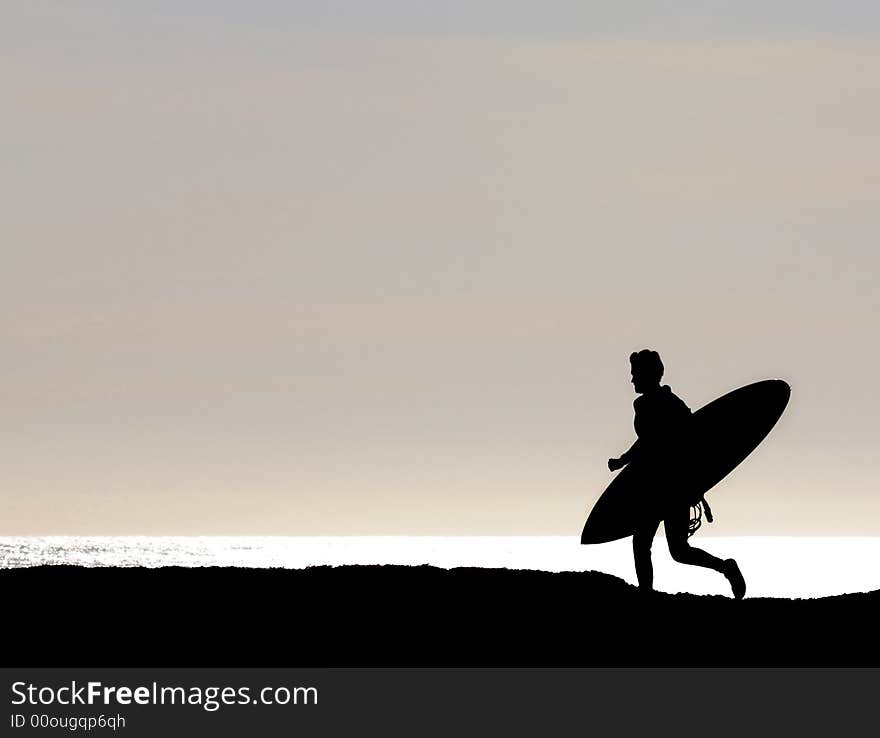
356 268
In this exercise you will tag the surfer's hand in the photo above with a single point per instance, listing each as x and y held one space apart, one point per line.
615 464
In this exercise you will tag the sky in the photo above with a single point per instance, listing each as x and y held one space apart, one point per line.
377 268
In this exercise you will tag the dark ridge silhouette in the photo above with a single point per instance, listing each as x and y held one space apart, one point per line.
410 616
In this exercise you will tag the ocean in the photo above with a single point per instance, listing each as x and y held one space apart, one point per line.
773 566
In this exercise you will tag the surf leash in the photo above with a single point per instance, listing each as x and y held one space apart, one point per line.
697 516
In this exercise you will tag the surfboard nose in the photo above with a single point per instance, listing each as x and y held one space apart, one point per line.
773 393
783 385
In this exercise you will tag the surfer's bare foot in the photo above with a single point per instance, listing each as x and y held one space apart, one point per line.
735 577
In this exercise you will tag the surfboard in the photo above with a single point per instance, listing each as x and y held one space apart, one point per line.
722 434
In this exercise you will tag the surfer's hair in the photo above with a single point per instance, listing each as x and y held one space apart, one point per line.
648 363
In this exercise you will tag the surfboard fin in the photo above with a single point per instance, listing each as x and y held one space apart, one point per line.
707 510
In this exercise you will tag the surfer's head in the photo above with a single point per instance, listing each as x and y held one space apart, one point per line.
647 370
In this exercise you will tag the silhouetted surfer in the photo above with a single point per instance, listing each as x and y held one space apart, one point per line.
662 422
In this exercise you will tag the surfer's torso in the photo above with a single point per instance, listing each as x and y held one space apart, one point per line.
661 418
662 422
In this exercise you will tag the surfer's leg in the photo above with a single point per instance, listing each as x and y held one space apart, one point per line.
642 540
676 525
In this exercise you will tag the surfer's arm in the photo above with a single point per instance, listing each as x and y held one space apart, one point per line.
625 457
631 453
